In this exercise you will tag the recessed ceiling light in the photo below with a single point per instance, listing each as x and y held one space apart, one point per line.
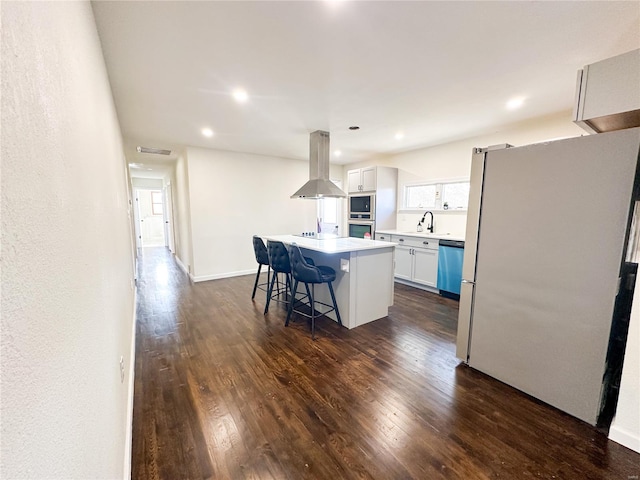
337 153
399 136
207 132
240 95
135 165
515 103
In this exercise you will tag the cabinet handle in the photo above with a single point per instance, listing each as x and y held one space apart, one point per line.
401 239
426 243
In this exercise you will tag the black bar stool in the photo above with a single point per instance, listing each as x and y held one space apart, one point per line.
307 273
262 257
279 262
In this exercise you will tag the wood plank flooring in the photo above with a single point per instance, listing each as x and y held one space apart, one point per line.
225 392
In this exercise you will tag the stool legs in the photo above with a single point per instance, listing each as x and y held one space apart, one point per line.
270 292
293 299
335 305
276 280
312 305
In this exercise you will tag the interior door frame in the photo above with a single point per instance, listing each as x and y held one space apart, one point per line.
138 218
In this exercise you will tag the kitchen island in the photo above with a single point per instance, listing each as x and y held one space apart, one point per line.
364 274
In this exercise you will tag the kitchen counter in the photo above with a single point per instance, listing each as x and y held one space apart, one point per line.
435 236
331 245
364 283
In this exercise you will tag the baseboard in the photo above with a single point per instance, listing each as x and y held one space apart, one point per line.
623 437
416 285
132 370
218 276
181 265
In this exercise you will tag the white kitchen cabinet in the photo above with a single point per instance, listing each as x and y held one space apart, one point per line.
404 263
425 266
416 260
607 94
362 180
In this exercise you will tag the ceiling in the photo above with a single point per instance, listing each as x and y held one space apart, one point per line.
435 71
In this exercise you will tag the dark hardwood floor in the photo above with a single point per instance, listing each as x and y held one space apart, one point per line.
223 391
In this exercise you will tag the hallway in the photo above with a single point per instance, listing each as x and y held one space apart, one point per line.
223 391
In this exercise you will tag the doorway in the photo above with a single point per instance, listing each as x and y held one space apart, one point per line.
330 213
150 222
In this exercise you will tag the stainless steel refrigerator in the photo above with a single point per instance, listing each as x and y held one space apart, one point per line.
546 241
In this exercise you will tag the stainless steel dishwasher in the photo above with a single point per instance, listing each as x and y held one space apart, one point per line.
450 255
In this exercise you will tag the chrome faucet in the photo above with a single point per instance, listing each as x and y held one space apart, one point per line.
430 226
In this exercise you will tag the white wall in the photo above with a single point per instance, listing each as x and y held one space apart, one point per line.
182 214
453 160
152 183
234 196
67 294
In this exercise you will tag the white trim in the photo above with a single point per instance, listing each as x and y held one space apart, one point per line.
217 276
409 283
181 265
132 370
624 437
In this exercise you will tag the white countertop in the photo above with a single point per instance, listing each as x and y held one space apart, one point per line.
333 245
435 236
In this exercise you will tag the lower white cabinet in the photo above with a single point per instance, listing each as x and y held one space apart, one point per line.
425 266
416 260
404 263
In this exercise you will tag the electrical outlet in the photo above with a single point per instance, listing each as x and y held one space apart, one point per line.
121 369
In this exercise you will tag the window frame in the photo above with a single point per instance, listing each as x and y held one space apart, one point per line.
439 200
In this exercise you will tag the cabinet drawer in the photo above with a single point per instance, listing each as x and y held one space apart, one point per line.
417 242
384 237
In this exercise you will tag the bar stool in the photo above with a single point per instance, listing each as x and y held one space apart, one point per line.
307 273
279 262
262 257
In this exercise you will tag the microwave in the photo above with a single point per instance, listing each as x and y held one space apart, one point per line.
362 207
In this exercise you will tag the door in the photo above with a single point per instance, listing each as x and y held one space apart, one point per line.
329 213
550 243
169 231
425 268
368 179
151 216
404 262
353 181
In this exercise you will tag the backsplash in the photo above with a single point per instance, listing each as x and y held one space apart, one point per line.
454 223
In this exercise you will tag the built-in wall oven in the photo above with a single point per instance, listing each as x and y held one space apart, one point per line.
361 229
361 216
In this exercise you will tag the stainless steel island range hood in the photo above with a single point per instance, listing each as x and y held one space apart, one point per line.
319 185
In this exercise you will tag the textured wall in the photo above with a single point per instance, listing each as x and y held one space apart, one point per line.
67 298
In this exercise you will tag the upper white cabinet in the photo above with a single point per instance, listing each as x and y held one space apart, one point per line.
607 94
362 180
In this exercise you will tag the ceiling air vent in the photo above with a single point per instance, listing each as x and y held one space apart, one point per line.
157 151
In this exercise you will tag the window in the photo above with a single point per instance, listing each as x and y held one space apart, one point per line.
156 203
437 196
455 196
420 196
